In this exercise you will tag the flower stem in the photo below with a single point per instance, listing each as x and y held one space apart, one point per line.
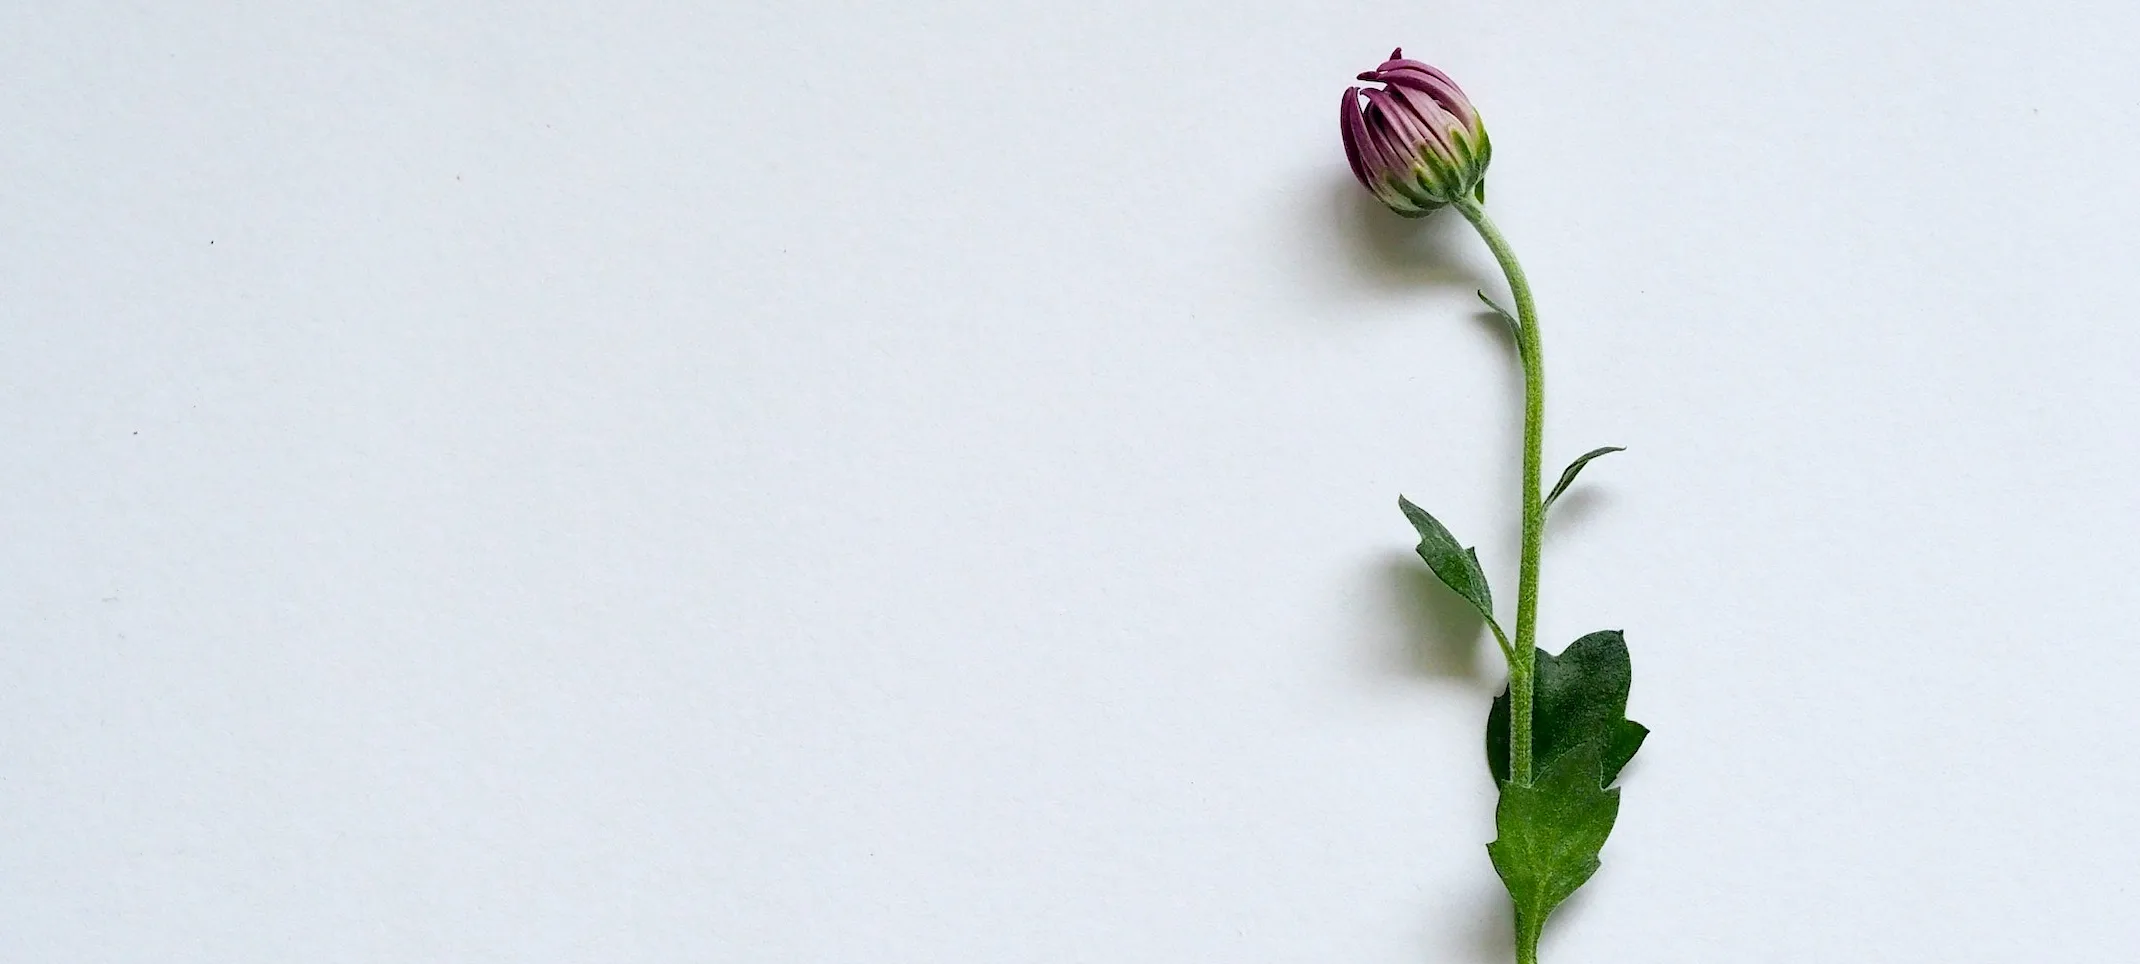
1522 664
1526 943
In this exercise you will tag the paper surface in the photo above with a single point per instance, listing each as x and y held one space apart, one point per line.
841 482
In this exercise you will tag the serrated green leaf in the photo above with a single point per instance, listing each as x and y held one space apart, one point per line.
1513 324
1456 566
1577 698
1567 476
1549 835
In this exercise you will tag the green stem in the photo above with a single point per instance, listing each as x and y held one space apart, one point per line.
1522 665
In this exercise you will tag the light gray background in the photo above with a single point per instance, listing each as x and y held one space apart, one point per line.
914 482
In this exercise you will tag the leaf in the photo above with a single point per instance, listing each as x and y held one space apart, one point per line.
1567 476
1549 835
1457 567
1578 698
1513 323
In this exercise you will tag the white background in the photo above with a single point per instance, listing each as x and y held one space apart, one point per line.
915 482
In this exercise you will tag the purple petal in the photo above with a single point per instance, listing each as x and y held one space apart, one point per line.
1418 133
1381 151
1354 129
1412 75
1404 159
1429 111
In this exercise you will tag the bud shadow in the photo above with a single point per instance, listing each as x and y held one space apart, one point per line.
1402 253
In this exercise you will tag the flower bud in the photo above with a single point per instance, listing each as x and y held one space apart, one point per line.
1416 142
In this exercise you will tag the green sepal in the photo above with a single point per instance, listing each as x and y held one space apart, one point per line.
1456 566
1549 835
1567 476
1479 190
1578 698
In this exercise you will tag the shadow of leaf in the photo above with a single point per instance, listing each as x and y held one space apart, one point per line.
1574 508
1493 931
1502 332
1444 633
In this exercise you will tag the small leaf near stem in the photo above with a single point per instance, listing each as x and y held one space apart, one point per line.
1513 324
1456 565
1567 477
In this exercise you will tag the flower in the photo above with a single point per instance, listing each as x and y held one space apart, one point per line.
1416 143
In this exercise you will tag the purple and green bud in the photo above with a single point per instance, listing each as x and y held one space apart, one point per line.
1415 142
